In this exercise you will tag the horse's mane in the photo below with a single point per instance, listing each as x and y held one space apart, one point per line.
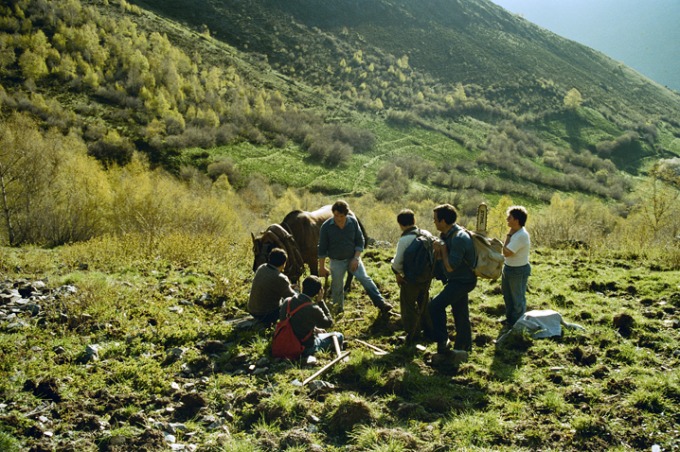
289 217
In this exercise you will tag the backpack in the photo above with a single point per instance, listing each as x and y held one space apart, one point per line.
285 343
489 258
419 262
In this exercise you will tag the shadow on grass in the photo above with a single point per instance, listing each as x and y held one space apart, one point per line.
509 353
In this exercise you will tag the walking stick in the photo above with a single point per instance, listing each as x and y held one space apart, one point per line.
325 368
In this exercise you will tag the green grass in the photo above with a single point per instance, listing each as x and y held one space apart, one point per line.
585 390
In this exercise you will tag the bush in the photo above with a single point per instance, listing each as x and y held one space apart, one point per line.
227 168
112 149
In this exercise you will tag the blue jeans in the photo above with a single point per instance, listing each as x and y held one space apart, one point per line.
455 294
514 287
323 341
338 270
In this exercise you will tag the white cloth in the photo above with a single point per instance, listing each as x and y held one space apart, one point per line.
519 243
541 324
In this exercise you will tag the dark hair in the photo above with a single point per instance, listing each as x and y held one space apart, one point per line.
519 213
311 286
406 217
340 206
277 257
447 213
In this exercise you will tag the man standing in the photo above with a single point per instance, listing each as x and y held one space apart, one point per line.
413 295
308 324
460 280
516 270
270 285
342 242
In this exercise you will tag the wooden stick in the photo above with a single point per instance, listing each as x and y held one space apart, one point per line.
325 368
376 350
336 345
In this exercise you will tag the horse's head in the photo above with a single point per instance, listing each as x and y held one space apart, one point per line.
262 245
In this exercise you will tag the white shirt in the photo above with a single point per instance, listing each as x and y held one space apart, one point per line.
402 244
519 243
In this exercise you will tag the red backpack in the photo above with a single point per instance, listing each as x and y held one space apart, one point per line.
285 343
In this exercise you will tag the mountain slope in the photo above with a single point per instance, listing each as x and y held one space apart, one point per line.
469 42
397 98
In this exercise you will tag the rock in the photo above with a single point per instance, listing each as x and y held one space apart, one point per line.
317 387
262 362
213 347
261 370
173 355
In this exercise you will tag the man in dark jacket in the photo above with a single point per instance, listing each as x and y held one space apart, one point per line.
313 318
460 280
270 285
342 242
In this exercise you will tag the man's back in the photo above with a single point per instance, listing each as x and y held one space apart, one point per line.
307 318
269 286
461 255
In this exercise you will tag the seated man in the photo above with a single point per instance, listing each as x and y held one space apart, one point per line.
313 317
270 285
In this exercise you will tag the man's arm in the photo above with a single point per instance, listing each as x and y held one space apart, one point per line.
442 252
324 319
507 252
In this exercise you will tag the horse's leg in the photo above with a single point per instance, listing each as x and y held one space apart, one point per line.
348 282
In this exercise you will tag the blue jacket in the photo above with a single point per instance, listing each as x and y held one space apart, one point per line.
340 244
461 255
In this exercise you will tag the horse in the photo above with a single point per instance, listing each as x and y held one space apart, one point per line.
298 234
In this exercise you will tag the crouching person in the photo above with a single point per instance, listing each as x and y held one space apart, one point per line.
310 321
270 286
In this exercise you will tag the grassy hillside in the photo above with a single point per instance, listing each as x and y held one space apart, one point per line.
358 97
117 349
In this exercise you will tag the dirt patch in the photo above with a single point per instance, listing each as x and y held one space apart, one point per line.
624 324
347 415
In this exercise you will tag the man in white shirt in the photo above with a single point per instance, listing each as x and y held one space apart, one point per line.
413 295
516 270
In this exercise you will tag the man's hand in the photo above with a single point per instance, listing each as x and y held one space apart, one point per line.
354 264
400 279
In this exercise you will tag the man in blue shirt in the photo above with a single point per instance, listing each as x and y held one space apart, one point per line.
342 242
460 280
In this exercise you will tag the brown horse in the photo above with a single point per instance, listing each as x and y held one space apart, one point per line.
298 234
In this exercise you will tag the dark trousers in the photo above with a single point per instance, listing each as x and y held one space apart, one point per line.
415 316
455 294
267 319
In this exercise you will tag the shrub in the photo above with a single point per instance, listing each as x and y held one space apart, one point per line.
226 167
112 149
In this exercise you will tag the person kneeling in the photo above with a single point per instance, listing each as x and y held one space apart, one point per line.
309 323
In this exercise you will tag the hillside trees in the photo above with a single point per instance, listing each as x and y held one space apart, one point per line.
51 192
573 99
174 100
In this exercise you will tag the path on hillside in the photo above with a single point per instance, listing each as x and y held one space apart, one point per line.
392 150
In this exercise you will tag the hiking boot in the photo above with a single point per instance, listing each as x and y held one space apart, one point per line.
444 348
385 308
450 357
458 357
